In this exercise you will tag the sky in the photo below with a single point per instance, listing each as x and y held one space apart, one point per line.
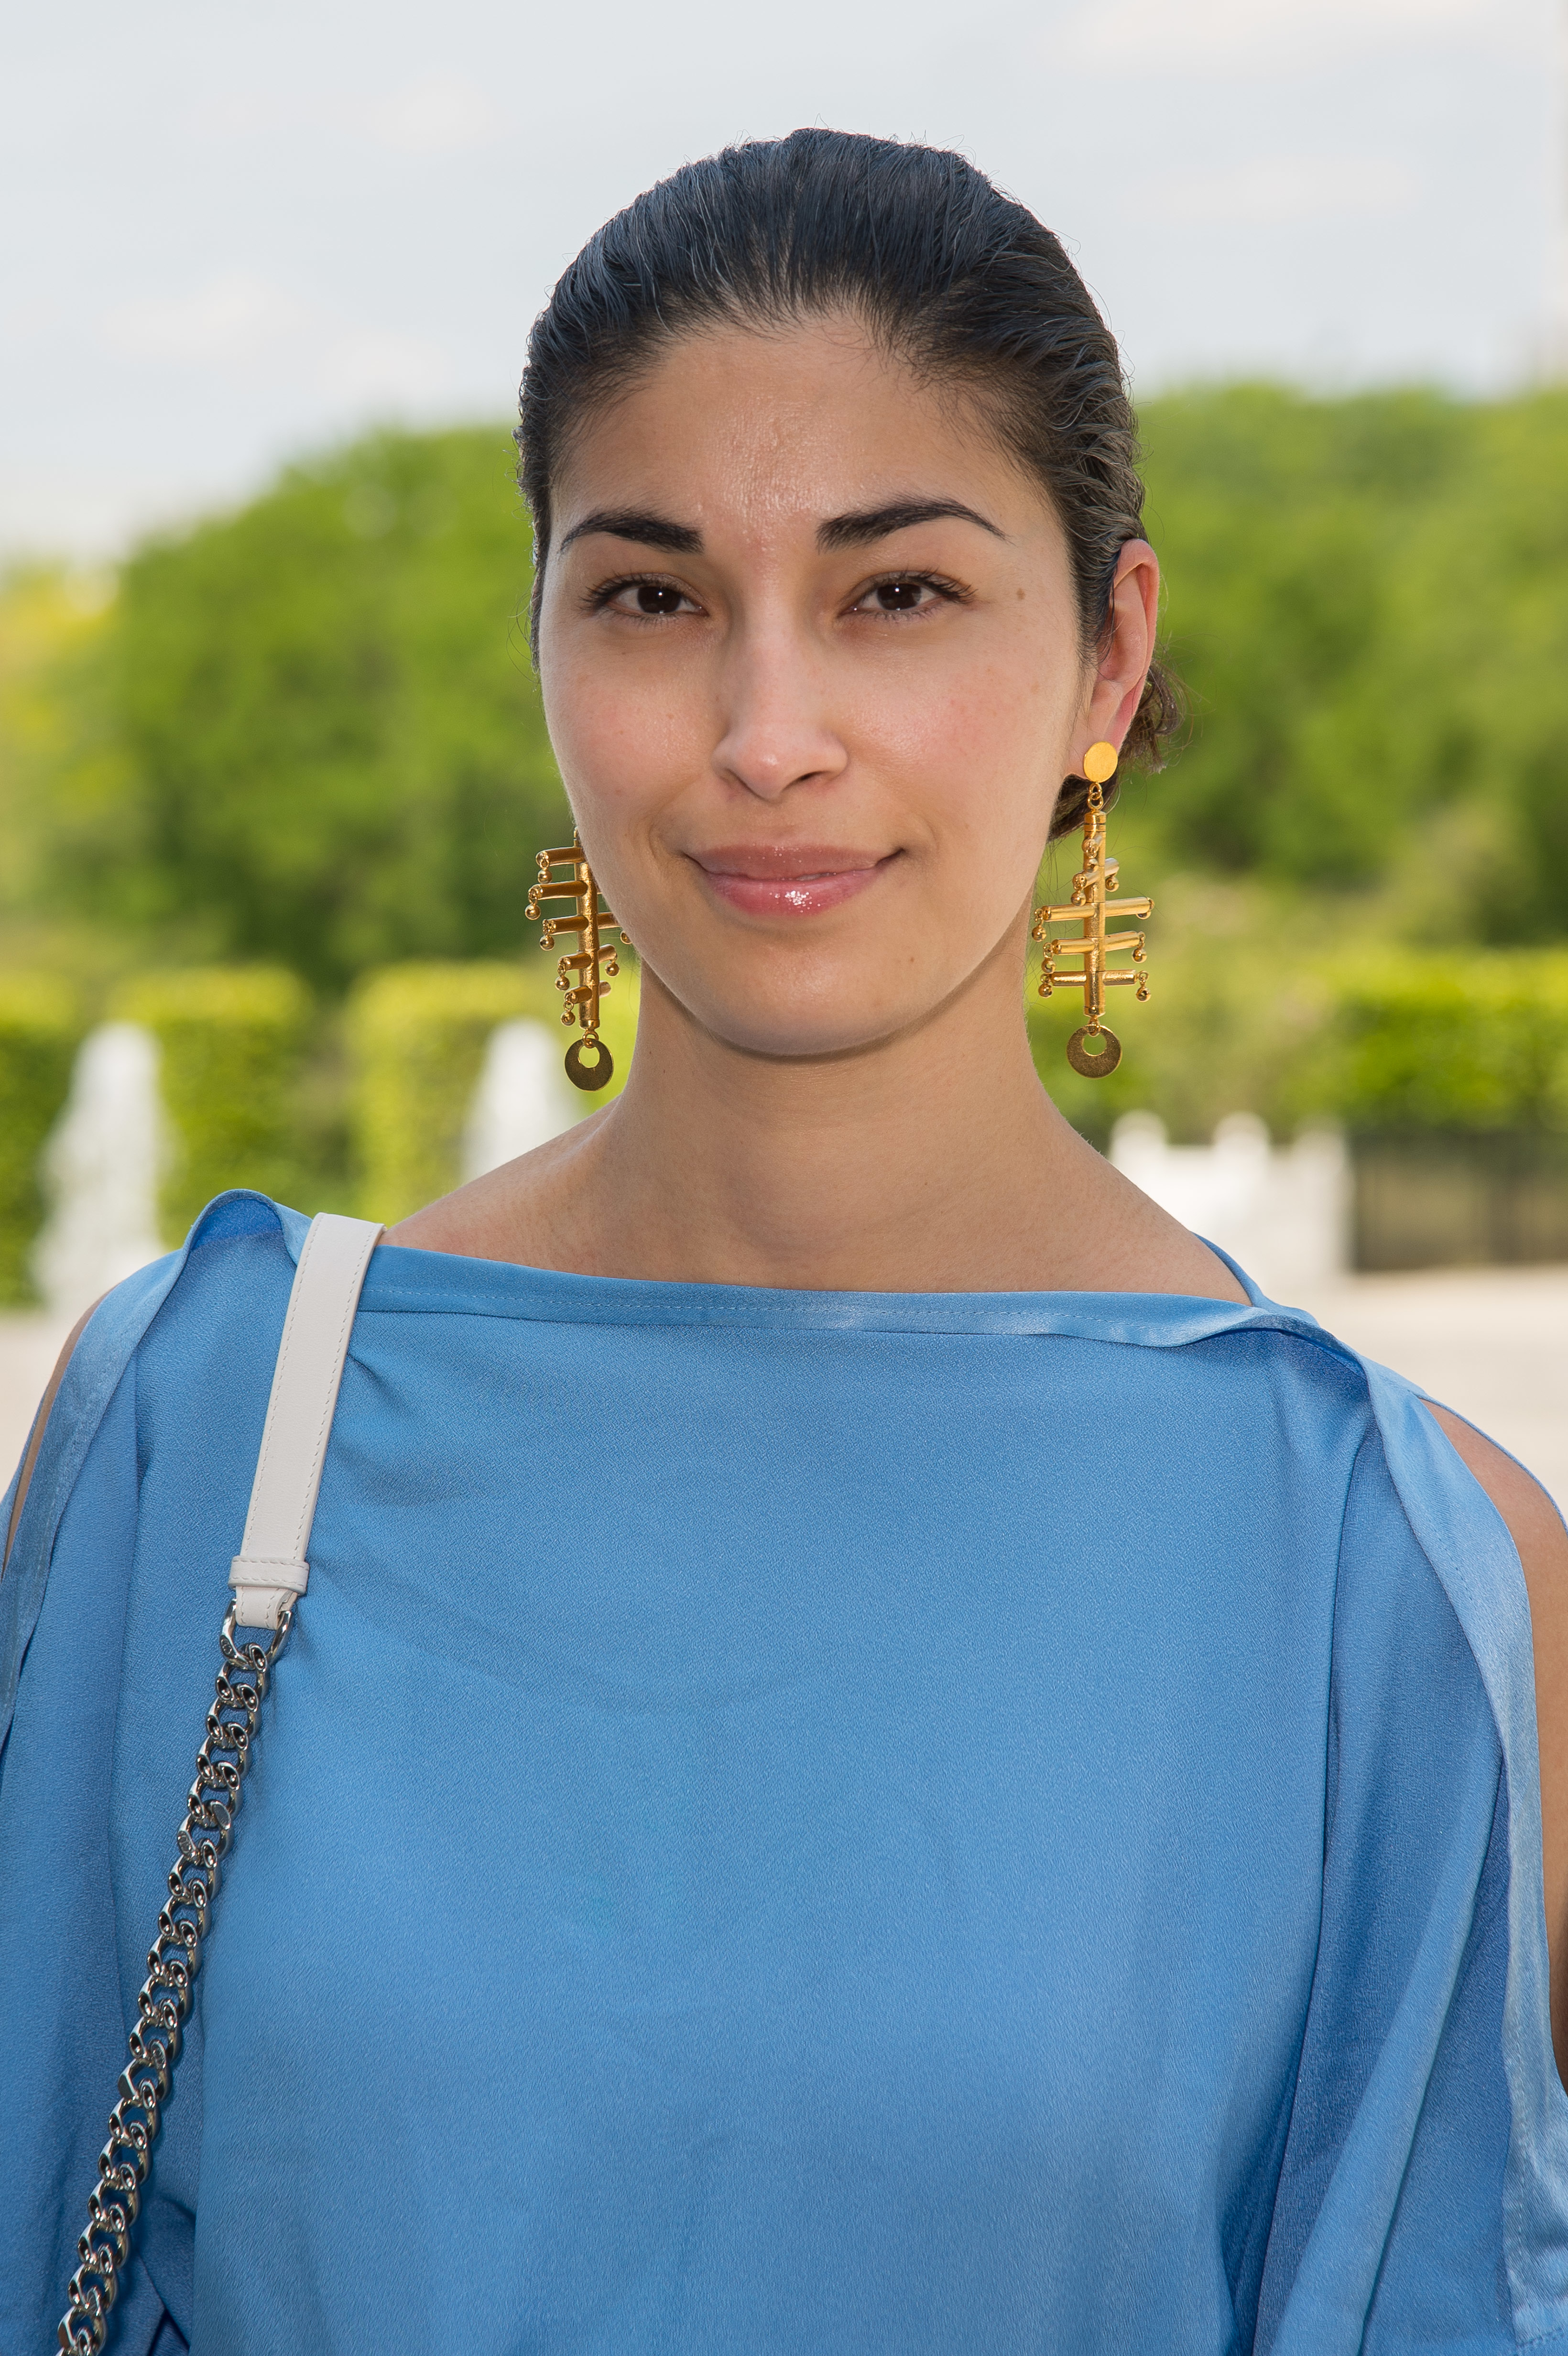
231 235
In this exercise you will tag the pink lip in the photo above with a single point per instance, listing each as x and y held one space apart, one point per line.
788 880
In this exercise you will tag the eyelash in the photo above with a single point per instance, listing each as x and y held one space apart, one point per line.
951 591
595 600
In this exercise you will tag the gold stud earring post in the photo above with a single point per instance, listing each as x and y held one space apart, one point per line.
589 1063
1093 1050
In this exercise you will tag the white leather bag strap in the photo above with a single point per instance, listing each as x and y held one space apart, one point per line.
270 1570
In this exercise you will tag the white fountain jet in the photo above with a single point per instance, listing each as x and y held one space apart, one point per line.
101 1170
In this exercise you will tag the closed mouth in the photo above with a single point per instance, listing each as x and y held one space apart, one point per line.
789 880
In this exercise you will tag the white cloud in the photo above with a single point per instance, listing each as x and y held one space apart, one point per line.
1206 36
237 322
1269 191
233 320
36 316
91 511
219 117
367 365
439 116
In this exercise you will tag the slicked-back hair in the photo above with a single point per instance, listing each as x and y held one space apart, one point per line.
942 271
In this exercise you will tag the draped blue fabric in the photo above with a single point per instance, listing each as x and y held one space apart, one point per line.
787 1822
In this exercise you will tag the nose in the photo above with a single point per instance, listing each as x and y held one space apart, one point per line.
776 730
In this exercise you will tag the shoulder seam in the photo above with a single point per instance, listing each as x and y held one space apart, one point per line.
39 1425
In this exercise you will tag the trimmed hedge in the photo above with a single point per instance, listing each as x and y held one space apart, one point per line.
40 1029
233 1040
1415 1041
1411 1047
418 1035
1471 1042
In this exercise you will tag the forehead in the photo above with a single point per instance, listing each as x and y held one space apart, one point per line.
754 426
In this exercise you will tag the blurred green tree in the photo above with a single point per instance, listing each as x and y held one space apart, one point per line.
311 733
308 733
1368 599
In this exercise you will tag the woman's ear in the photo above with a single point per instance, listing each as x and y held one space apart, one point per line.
1125 650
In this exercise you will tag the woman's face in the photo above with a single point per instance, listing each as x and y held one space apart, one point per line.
812 671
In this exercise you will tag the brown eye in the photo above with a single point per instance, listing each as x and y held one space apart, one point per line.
898 597
656 597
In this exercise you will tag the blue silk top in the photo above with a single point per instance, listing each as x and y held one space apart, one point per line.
787 1822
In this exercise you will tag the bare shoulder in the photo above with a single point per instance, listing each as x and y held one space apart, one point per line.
1533 1521
40 1423
1536 1528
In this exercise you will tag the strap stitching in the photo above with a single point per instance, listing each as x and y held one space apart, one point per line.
284 1346
328 1408
367 1241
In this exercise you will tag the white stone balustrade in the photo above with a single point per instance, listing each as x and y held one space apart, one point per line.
1283 1212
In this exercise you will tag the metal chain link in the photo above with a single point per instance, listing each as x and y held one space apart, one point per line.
164 2003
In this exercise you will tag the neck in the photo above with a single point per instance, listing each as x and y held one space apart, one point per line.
930 1162
873 1171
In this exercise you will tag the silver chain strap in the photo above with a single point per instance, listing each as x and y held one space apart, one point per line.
164 2003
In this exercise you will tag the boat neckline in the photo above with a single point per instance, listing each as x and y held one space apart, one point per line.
404 1279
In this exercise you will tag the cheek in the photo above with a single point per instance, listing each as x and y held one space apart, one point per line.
622 743
980 742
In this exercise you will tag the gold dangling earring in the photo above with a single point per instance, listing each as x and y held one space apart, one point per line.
591 922
1093 1050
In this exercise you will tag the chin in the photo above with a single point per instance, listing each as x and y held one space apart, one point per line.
841 1023
802 1008
781 1045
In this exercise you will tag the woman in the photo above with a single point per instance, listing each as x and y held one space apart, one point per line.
880 1754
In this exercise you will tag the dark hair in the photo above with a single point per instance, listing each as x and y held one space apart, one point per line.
943 269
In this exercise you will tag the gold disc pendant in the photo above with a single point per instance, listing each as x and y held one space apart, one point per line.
1084 1058
1093 1050
596 1075
589 1063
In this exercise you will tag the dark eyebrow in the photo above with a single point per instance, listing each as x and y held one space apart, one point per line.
633 523
875 523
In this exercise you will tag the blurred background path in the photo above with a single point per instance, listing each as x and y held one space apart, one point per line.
1490 1342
